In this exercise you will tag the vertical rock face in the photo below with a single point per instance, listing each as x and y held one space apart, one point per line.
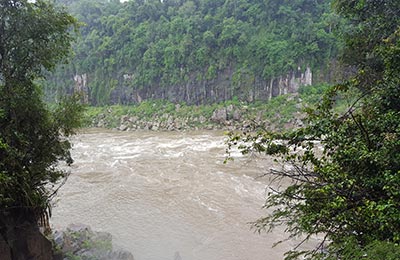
290 83
5 252
38 247
25 242
201 91
308 77
81 87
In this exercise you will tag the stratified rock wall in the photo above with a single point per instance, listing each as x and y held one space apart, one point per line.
81 87
199 91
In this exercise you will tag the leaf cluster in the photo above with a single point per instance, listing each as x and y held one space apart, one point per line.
34 36
343 169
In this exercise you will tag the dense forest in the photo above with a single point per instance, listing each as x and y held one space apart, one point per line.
196 51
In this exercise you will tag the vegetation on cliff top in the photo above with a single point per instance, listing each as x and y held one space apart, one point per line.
194 51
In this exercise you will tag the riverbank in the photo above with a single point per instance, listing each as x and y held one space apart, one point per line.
80 242
280 113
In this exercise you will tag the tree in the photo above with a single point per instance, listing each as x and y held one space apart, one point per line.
126 38
345 167
34 36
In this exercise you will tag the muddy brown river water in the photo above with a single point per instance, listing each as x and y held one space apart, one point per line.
165 195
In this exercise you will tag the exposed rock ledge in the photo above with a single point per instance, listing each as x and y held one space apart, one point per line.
24 241
78 241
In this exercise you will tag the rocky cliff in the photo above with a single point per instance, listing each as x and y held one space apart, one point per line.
25 242
225 86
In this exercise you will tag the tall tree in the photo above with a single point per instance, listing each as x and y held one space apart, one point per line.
33 37
345 168
164 47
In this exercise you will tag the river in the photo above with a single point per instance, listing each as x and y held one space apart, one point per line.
164 194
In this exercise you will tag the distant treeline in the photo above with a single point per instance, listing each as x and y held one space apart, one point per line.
198 51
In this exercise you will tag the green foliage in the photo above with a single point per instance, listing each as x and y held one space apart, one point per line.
277 113
34 36
312 92
345 167
351 250
163 45
71 256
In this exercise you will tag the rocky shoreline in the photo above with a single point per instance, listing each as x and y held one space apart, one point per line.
80 242
76 242
228 118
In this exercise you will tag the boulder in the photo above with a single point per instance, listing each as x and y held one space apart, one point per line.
133 119
229 108
219 115
80 241
236 115
202 119
25 242
123 127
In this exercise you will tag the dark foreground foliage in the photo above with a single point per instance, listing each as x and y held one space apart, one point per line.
33 37
345 168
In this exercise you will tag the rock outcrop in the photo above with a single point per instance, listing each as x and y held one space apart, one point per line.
78 241
200 91
5 251
229 117
25 242
81 87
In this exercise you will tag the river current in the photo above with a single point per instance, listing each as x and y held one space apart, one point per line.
168 195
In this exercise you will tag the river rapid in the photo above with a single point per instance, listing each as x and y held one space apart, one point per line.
168 195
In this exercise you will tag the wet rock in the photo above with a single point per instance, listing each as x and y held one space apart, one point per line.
170 120
124 119
133 119
178 124
25 242
79 241
219 115
236 115
82 228
202 119
101 123
58 237
209 127
123 127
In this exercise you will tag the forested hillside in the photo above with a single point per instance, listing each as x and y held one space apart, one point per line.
198 51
